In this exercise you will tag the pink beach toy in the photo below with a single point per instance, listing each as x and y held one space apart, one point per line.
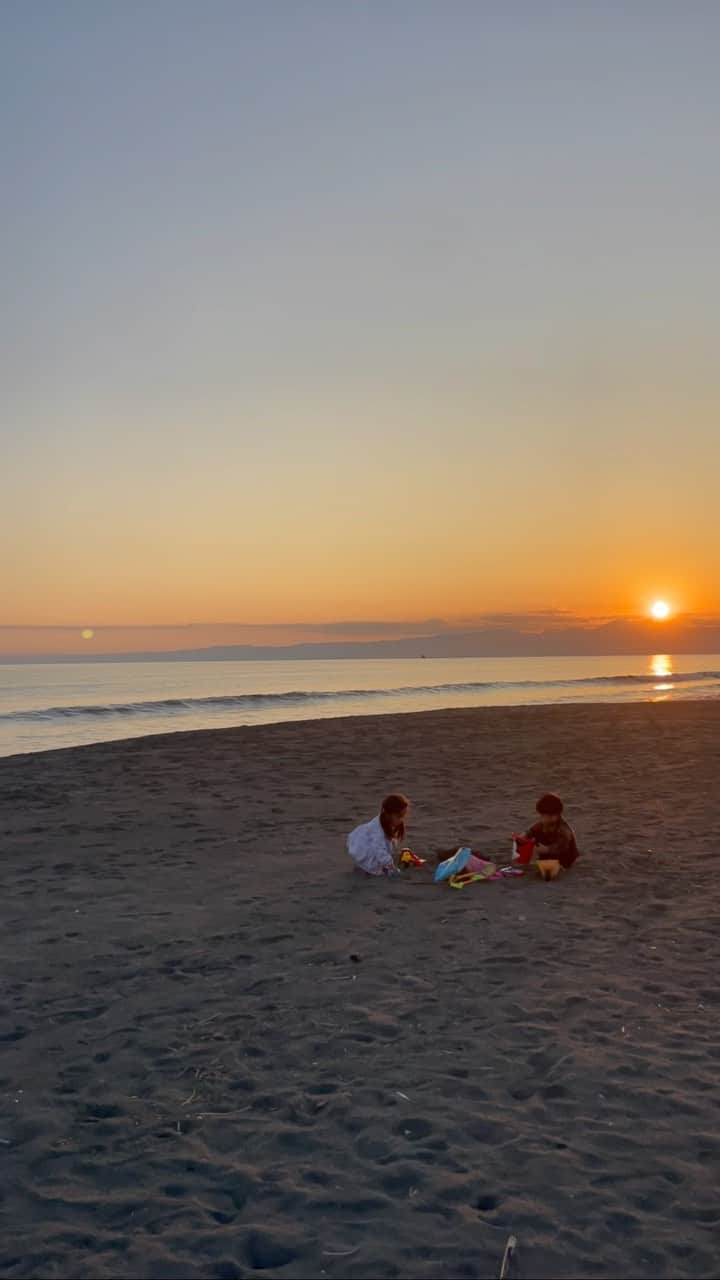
479 866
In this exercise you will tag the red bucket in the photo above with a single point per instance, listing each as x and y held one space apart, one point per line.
522 849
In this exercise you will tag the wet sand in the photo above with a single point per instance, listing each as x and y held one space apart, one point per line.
198 1080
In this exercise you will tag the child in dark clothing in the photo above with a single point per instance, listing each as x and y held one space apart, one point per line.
553 837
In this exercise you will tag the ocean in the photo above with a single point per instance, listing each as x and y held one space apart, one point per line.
47 706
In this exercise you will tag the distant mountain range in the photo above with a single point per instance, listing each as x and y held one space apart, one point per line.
634 636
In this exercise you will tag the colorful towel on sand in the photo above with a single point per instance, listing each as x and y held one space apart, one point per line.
477 870
464 868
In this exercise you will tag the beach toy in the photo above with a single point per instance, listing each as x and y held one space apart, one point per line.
481 865
463 878
410 859
548 868
522 848
451 866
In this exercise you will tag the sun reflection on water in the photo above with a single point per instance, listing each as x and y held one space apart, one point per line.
661 665
661 668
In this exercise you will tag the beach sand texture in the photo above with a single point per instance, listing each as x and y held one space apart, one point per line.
198 1080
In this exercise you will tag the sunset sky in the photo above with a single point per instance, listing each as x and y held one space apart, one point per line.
391 310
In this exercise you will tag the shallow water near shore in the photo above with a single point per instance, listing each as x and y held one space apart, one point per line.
64 705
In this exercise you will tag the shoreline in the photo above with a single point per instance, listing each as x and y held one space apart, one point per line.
495 708
200 1082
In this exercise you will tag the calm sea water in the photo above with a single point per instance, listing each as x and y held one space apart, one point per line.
65 705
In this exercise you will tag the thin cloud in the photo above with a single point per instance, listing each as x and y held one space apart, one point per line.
539 618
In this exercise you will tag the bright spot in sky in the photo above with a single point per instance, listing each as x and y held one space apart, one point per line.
660 610
88 634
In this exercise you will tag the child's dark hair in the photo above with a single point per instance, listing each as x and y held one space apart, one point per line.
391 807
549 805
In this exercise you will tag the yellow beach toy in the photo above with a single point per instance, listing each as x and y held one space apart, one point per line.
548 868
410 859
461 879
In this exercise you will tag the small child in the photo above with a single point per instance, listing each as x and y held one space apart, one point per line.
553 837
372 845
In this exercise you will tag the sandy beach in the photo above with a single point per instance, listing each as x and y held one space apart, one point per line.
224 1055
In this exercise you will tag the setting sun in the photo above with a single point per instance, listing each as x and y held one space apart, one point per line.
660 610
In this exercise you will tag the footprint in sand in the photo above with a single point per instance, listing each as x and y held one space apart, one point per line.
486 1204
264 1252
402 1180
372 1149
414 1128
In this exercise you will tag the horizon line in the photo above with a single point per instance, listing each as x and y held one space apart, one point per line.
454 623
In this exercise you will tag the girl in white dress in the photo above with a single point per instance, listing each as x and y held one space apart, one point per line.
372 845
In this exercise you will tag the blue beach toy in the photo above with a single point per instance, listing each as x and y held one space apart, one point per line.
451 866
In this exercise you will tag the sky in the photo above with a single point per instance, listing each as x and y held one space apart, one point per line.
317 311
